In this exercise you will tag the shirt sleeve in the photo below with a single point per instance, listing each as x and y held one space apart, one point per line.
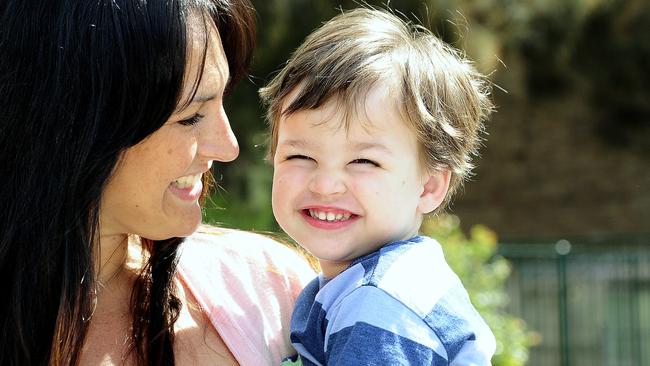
370 327
247 285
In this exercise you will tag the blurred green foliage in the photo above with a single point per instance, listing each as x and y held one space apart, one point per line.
483 273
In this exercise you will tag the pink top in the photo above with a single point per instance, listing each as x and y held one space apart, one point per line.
247 285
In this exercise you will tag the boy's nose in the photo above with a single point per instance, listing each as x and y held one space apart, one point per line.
327 183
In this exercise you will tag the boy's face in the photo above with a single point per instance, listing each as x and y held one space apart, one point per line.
343 193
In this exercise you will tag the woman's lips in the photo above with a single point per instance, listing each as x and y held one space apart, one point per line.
187 188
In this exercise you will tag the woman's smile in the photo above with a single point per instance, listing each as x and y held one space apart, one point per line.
187 188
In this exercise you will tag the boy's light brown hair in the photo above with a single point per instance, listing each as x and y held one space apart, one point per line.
437 91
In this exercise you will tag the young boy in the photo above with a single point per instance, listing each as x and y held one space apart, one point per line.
373 125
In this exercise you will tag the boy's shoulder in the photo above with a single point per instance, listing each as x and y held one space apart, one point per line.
400 301
414 272
404 259
405 289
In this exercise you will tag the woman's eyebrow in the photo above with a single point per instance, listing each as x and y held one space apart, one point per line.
195 100
210 96
203 98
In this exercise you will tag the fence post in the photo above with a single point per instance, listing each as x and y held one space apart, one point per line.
563 248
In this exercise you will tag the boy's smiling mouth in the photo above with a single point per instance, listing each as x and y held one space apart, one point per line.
328 217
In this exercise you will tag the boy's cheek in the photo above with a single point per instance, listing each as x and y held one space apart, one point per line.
289 173
284 183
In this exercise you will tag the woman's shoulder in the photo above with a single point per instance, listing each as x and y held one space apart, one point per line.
247 284
229 245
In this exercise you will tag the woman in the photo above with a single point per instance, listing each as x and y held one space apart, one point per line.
110 114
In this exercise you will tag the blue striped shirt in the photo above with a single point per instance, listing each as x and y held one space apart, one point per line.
400 305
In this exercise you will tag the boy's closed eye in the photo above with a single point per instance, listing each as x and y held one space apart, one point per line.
298 157
365 161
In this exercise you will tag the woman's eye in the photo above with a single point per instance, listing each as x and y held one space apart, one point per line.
364 161
192 120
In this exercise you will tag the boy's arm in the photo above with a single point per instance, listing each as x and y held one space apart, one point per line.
371 327
467 338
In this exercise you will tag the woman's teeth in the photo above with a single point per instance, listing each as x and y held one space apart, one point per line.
329 216
187 181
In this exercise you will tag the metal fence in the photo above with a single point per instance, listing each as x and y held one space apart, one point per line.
589 301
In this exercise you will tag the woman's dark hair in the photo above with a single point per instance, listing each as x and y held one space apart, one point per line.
80 82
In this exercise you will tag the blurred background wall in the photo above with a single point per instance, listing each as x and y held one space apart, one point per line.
564 172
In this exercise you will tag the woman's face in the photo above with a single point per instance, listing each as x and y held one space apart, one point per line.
155 188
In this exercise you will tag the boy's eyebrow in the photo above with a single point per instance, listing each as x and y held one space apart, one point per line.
357 146
370 146
293 143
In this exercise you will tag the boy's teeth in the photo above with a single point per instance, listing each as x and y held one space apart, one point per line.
328 216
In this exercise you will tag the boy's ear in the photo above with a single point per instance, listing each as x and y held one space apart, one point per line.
436 184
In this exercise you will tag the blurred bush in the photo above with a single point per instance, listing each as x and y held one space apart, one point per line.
474 258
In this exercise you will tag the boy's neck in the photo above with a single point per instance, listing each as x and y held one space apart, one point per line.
332 269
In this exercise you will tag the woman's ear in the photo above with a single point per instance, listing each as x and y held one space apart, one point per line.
435 186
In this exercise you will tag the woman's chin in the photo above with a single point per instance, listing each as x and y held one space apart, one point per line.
178 228
188 227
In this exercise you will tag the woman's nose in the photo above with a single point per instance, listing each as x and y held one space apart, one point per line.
327 183
217 140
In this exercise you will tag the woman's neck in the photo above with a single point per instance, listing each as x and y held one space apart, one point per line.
113 255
